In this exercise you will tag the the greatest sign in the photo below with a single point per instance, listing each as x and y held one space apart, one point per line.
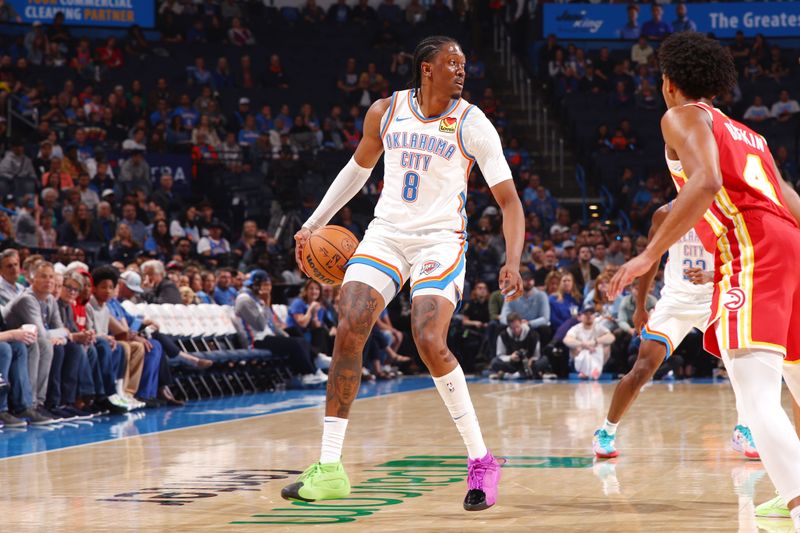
610 21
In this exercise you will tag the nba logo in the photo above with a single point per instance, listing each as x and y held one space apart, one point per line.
450 386
448 125
428 267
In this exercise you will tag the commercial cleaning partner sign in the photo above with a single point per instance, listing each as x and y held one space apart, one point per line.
618 21
88 12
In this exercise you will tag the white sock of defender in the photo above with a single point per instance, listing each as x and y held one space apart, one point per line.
610 428
333 430
452 388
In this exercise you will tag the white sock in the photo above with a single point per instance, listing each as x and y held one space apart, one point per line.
120 386
610 428
333 430
795 512
452 388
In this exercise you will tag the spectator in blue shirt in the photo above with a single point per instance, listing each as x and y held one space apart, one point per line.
264 119
631 30
306 316
161 114
564 303
248 135
224 293
199 74
656 29
189 116
209 281
476 69
683 22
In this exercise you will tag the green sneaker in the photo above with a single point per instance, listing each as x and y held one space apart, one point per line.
775 508
319 482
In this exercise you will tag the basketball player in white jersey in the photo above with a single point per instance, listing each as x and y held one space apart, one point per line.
431 138
685 304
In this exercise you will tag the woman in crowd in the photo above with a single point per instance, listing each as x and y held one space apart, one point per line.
564 304
122 247
306 317
159 243
261 328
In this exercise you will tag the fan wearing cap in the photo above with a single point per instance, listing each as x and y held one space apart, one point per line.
130 288
214 246
589 343
107 279
260 328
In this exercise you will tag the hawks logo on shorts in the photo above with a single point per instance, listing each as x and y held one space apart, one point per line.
448 125
733 299
428 267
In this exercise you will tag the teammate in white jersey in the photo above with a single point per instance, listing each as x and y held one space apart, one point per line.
431 138
685 304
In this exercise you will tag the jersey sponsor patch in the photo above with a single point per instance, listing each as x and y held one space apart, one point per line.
734 299
428 267
448 125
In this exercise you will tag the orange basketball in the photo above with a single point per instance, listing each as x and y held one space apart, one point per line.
327 252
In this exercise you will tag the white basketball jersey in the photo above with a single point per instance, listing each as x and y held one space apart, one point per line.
426 167
688 252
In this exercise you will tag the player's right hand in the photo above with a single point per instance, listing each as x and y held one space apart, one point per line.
640 317
300 240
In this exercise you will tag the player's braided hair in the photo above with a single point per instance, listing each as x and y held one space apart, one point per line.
698 65
425 52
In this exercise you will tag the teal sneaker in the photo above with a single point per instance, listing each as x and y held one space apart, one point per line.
742 442
319 482
774 508
603 445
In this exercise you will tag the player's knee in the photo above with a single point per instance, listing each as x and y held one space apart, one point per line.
351 338
644 368
429 342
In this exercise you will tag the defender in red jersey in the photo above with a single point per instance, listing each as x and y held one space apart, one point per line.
729 182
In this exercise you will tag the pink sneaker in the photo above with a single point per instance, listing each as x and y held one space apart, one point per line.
482 482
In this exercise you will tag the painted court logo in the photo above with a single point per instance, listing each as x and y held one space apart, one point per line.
734 299
428 267
393 483
448 125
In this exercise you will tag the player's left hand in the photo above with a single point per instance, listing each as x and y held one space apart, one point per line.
510 283
627 273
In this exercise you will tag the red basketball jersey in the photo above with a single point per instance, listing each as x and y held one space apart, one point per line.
756 240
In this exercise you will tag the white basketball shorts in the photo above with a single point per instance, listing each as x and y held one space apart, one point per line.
672 320
434 263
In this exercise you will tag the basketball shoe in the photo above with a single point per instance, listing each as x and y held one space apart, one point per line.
742 442
319 482
603 445
774 508
483 478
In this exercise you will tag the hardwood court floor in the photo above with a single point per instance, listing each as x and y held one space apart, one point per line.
676 472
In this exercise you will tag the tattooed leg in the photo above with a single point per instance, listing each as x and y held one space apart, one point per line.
430 320
359 306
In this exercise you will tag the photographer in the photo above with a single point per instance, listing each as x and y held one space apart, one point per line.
518 351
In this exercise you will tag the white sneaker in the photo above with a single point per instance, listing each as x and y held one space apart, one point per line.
119 401
515 375
323 361
313 379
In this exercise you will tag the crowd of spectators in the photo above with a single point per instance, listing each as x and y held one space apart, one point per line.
622 93
77 189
